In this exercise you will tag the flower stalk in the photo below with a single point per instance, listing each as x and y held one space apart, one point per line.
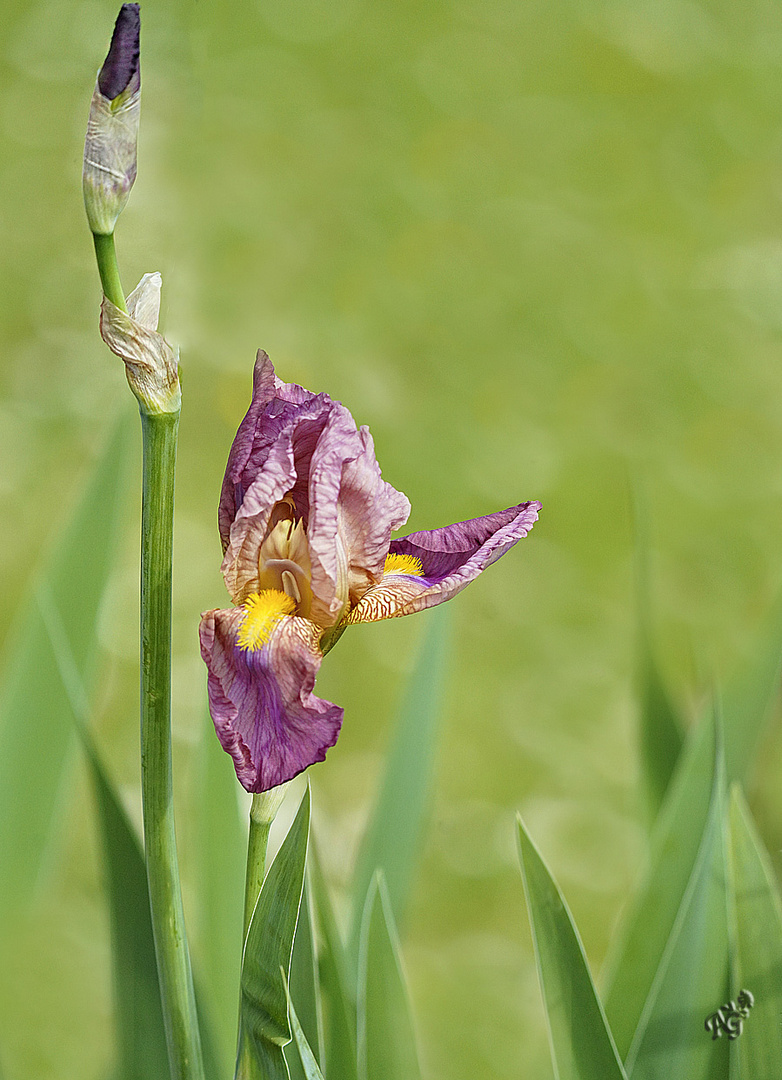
106 256
263 811
165 897
129 328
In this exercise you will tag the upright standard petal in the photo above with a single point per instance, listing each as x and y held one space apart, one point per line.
275 407
427 568
261 700
305 448
352 512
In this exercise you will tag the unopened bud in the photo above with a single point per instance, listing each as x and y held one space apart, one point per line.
112 128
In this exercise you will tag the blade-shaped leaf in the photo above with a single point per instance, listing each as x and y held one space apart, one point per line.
675 844
758 947
33 711
304 990
221 848
338 1004
661 738
582 1047
691 979
141 1039
393 839
661 730
264 1027
386 1040
749 699
308 1066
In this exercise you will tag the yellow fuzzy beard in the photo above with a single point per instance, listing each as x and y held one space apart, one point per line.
263 611
403 564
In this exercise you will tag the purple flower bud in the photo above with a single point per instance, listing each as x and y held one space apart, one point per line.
112 128
121 66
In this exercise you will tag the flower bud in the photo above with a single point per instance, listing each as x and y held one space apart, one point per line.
112 128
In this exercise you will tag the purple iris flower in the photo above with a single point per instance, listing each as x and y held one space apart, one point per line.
306 520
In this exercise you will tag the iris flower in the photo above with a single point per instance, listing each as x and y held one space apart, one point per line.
306 521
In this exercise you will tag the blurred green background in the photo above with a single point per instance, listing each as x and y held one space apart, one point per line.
537 248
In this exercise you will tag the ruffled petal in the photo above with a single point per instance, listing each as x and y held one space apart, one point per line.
450 559
352 514
261 701
270 458
274 410
306 446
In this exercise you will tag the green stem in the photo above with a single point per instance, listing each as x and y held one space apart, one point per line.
108 269
165 897
262 813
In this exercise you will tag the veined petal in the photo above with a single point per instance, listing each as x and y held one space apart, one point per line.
274 411
305 447
450 558
261 700
352 514
269 460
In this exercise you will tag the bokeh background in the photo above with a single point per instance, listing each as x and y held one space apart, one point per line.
537 248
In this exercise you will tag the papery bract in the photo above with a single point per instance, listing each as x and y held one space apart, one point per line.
305 520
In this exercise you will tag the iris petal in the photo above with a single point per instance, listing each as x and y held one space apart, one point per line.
450 559
306 448
261 701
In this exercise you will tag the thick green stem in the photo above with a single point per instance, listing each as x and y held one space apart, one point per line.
108 269
262 813
173 959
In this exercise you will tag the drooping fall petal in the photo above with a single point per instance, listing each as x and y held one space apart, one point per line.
261 700
446 561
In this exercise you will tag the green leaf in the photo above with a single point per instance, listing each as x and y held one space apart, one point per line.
141 1040
661 738
386 1040
675 843
305 987
264 1027
691 979
582 1047
749 699
220 868
393 839
338 1005
141 1037
305 1058
33 709
757 935
661 730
